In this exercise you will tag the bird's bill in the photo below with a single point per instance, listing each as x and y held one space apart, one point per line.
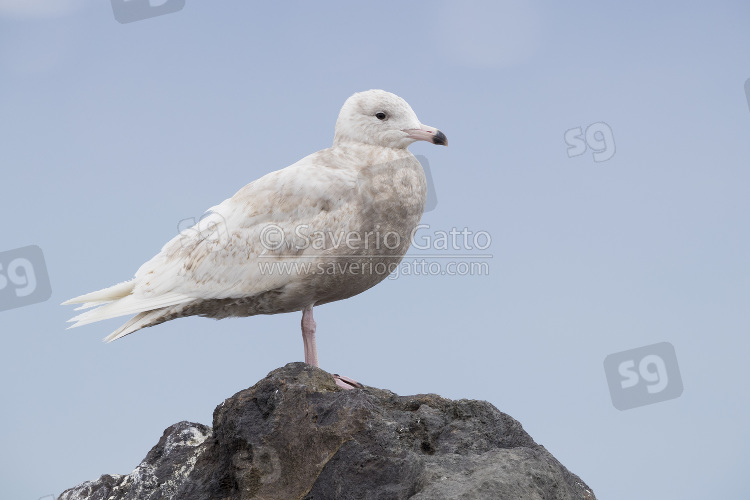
427 133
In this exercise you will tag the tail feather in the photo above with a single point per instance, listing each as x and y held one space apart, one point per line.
118 300
128 305
103 296
89 305
142 320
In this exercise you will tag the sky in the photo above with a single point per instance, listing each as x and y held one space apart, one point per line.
598 151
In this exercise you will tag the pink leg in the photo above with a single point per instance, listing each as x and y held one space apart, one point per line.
311 349
308 336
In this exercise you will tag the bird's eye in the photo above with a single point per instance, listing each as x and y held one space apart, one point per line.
381 116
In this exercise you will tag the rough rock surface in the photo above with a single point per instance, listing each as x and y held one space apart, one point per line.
296 435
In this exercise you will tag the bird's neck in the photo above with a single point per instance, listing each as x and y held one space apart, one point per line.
356 147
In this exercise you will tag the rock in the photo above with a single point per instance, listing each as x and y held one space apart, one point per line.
296 435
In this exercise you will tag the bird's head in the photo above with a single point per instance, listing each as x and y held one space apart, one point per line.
379 118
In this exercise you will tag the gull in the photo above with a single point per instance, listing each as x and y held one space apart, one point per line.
323 229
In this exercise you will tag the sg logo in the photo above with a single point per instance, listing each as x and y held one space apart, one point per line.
128 11
23 278
431 201
598 137
643 376
211 227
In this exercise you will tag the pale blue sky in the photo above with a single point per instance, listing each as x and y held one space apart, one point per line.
113 133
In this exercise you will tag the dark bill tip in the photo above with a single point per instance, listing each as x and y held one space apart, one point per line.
439 139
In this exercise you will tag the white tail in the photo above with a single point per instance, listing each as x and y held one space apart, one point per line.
136 323
128 305
103 296
117 301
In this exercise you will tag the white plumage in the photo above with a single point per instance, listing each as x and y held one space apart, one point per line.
367 181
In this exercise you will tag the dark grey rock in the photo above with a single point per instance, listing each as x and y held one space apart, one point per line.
296 435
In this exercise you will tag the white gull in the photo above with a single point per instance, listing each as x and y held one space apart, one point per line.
326 228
